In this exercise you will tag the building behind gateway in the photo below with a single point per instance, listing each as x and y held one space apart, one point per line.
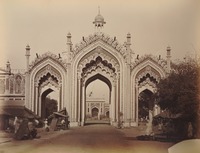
97 56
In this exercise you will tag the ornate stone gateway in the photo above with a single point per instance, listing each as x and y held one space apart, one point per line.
101 57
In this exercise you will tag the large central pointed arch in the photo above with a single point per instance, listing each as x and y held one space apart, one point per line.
102 61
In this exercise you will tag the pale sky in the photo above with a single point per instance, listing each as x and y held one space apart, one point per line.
99 89
44 24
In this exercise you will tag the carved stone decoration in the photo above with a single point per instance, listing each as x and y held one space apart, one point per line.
147 77
98 52
151 73
162 63
95 105
147 82
49 82
45 71
18 84
102 37
48 55
11 85
2 86
148 68
98 66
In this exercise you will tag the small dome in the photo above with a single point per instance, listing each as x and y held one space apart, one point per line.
99 18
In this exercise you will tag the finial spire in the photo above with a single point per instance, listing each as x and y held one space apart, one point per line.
99 9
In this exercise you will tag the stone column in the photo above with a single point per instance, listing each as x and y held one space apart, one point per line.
60 97
79 100
90 108
117 100
27 91
36 100
127 113
83 105
113 117
136 101
39 104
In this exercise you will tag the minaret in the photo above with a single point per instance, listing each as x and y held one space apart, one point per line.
128 40
66 54
69 42
99 21
168 59
128 47
8 69
27 57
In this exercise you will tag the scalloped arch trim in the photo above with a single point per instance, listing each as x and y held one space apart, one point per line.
161 62
99 36
45 56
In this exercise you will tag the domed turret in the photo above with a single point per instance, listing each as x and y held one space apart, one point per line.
99 20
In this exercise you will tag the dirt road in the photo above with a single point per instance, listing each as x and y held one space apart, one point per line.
87 139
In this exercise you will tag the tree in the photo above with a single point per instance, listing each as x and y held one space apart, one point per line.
51 106
146 103
179 92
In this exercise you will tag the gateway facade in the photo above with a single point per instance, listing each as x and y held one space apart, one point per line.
97 56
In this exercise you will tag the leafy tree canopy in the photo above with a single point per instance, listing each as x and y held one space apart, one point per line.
179 92
51 106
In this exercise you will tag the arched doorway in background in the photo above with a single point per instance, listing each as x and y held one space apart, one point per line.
145 104
95 112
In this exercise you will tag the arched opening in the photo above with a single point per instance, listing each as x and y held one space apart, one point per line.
107 114
49 103
145 104
49 95
145 78
98 99
95 112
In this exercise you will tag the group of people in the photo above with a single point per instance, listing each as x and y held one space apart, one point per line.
25 128
62 123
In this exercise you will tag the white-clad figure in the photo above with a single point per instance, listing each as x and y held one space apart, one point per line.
36 121
15 121
16 124
45 123
149 124
150 116
149 128
63 121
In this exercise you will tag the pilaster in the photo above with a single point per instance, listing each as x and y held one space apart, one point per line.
136 101
79 100
36 99
83 105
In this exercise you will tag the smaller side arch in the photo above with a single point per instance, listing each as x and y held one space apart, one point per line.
47 65
137 88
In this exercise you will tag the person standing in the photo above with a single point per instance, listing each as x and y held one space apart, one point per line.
16 124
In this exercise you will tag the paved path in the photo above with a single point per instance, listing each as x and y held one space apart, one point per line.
87 139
